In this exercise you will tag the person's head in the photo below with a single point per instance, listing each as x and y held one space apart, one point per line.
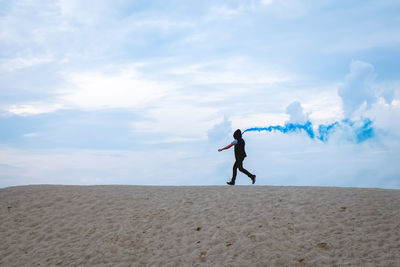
237 134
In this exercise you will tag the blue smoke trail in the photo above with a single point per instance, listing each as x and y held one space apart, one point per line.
361 132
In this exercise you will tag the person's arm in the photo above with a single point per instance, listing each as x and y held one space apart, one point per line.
227 147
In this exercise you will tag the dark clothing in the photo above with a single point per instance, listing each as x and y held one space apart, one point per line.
240 154
239 165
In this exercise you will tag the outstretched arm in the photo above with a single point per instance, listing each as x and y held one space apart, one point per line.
227 147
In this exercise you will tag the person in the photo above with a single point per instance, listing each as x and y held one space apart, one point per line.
240 154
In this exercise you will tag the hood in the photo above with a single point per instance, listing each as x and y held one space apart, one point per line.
237 134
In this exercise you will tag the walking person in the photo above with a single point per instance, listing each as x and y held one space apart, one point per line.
240 154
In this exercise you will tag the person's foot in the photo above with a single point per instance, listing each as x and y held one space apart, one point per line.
230 183
253 179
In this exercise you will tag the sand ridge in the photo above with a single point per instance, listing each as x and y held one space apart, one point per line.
51 225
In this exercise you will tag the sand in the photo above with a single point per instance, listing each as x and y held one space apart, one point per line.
48 225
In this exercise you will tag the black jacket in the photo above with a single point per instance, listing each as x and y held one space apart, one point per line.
240 154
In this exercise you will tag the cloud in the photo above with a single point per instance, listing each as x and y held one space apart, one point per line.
23 62
359 90
220 131
296 113
29 135
388 94
385 117
33 108
123 88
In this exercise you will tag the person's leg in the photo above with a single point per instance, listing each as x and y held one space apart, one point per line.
240 166
251 176
234 172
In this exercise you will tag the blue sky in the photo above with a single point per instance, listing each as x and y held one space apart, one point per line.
145 92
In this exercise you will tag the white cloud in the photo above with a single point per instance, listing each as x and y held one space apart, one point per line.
220 131
29 135
296 113
359 90
386 117
33 108
23 62
123 88
324 105
388 95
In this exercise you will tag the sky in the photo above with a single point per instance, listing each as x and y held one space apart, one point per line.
145 92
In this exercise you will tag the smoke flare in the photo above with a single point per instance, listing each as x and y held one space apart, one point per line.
359 131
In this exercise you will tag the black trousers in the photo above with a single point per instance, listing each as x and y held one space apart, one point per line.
239 165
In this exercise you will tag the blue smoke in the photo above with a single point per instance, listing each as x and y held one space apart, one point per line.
360 131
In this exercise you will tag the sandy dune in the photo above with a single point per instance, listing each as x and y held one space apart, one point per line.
198 226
